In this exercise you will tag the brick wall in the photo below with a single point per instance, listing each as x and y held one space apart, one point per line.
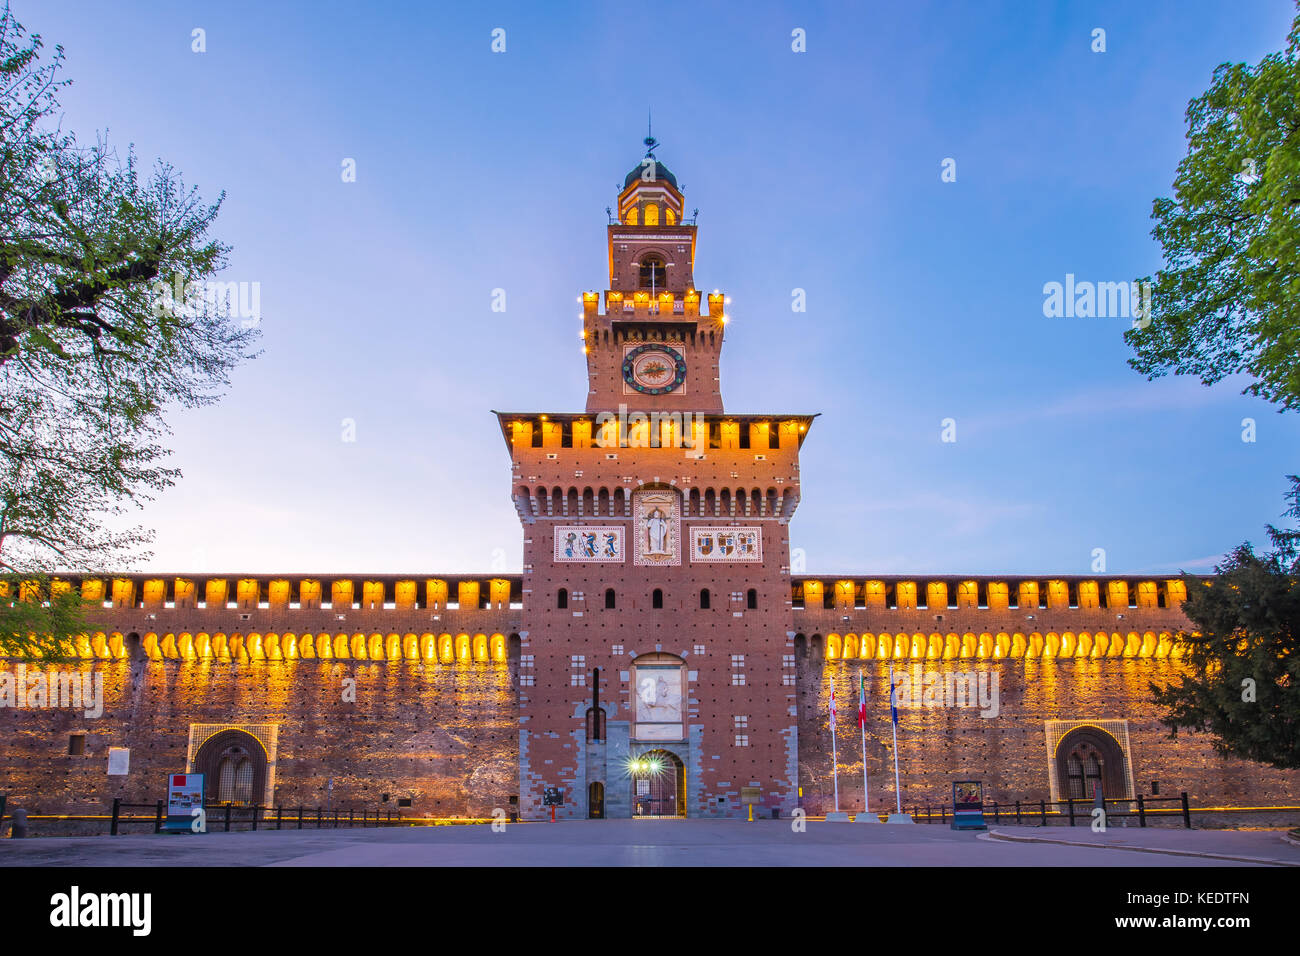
443 735
1008 752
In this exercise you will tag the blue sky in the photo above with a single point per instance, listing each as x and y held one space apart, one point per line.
817 170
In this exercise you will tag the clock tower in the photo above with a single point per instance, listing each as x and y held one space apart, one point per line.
656 659
653 347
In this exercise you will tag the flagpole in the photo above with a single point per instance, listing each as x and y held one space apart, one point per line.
893 713
862 723
835 763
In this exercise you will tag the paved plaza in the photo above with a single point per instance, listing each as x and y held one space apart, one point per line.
667 843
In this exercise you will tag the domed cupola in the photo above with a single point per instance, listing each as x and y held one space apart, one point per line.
650 196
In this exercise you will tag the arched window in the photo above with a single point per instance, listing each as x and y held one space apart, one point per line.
562 598
609 599
233 764
651 214
1074 769
751 599
1091 776
669 216
704 599
653 273
235 777
1089 759
657 598
632 217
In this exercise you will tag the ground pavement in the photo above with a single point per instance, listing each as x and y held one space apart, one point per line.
667 843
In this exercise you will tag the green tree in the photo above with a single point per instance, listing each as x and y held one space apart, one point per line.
1244 686
108 317
1228 299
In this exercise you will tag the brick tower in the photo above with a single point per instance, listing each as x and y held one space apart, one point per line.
657 669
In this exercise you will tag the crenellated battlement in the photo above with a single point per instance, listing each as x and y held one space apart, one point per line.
470 593
990 617
644 306
249 592
471 618
987 592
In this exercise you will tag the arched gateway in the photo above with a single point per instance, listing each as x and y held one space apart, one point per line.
658 785
233 764
1087 760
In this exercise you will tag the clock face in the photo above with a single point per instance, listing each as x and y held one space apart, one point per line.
654 369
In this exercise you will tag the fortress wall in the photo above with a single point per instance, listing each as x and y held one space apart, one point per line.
444 735
1008 752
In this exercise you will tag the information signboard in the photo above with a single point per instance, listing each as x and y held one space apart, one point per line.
184 796
968 805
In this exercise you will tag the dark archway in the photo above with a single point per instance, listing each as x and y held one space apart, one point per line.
1088 758
233 764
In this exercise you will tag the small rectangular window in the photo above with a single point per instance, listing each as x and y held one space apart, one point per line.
77 745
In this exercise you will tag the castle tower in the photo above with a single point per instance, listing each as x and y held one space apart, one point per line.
657 669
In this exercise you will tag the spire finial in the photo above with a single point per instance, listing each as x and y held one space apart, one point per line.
651 144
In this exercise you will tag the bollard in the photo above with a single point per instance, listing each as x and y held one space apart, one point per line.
1042 812
227 817
1070 803
1187 812
277 817
1017 811
350 813
158 817
1142 812
117 813
19 817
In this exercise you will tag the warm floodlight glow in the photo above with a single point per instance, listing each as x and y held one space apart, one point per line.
644 766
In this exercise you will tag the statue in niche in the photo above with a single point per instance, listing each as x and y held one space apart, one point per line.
657 533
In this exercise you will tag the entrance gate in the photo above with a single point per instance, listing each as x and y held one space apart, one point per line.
658 786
